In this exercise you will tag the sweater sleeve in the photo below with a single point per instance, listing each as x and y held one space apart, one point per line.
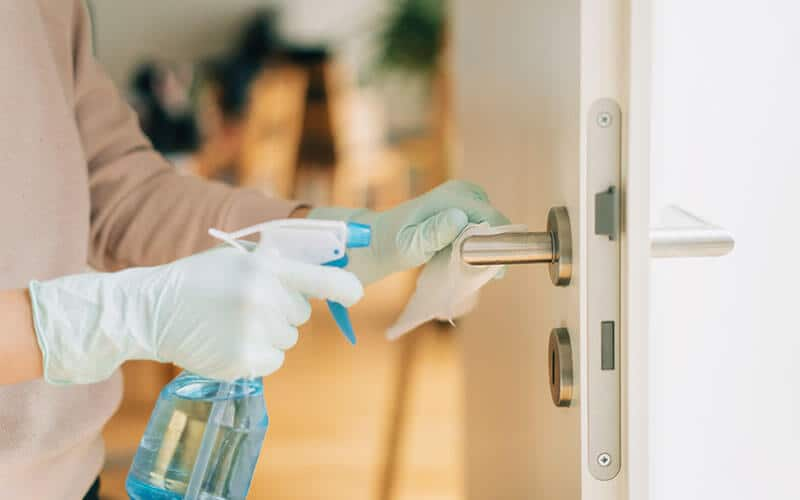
142 211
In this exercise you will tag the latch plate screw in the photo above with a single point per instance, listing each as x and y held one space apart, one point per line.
605 119
604 459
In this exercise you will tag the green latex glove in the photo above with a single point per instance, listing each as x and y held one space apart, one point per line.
411 233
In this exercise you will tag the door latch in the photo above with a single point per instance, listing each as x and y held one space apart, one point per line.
606 213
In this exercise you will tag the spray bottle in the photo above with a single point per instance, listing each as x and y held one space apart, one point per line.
204 436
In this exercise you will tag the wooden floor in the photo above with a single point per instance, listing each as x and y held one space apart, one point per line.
381 421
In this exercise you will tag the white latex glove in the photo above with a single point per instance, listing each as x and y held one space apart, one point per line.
222 314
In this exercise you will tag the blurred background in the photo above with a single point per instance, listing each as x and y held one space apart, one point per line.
337 103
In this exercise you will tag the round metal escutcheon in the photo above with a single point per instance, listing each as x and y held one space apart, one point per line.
559 354
561 266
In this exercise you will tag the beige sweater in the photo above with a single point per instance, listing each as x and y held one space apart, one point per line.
80 184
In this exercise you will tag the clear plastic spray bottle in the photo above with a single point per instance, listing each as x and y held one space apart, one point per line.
204 436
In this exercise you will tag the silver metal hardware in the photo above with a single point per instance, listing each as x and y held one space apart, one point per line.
686 235
604 333
605 119
607 343
559 363
508 248
606 213
553 247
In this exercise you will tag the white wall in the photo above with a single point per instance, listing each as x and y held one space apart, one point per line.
130 31
725 334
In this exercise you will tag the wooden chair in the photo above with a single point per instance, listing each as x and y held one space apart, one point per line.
272 131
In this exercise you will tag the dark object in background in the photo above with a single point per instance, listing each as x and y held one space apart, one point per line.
232 79
162 104
260 47
316 142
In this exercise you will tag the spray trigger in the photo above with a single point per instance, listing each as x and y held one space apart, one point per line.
311 241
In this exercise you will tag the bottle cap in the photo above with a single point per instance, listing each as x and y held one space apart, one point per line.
358 235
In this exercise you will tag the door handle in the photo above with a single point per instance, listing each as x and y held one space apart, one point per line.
552 247
686 235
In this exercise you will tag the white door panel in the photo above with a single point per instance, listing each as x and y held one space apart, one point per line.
723 332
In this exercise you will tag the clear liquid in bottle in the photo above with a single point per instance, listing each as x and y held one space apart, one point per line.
163 466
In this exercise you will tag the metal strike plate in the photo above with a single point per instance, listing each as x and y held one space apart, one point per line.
559 363
604 333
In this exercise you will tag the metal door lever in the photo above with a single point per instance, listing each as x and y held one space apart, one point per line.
687 235
553 247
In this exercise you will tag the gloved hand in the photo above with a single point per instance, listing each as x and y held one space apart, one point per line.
223 314
410 234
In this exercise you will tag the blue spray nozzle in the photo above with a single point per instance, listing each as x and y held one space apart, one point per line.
338 311
358 235
342 318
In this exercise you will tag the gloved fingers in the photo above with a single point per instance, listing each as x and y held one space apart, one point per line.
443 228
224 363
320 282
451 194
283 336
259 351
433 234
470 198
259 287
228 372
270 321
263 362
296 308
270 293
476 203
479 211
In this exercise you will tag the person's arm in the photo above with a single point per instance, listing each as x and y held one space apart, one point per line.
20 357
143 212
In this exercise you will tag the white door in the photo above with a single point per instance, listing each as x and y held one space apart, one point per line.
532 77
724 341
709 101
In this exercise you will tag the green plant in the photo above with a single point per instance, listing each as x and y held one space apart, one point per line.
412 37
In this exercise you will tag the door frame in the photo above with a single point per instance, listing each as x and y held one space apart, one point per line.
636 251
